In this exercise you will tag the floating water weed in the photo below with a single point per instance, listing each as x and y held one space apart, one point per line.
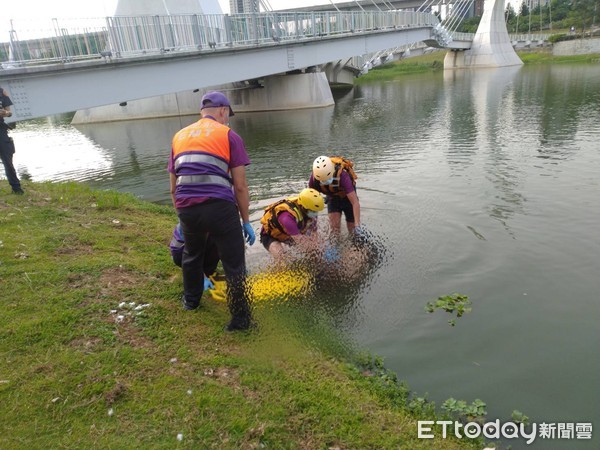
451 303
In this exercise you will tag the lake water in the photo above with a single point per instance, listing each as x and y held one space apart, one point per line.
485 183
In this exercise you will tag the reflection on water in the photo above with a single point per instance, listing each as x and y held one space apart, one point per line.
478 182
140 150
278 143
51 149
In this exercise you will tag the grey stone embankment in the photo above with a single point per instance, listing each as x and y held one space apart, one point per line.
576 47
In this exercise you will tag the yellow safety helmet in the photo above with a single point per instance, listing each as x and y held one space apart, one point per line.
311 200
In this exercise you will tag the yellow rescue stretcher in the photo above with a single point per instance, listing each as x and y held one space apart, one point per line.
268 286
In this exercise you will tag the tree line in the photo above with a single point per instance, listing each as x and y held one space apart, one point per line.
578 16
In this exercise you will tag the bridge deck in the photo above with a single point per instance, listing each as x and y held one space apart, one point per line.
150 56
147 56
115 37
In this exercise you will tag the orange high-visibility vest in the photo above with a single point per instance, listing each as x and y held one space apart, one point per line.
204 144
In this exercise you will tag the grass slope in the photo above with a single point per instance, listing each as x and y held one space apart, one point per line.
434 61
73 376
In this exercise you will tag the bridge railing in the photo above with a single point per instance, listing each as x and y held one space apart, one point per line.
67 40
459 36
49 41
539 37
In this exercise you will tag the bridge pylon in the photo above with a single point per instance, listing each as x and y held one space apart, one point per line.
491 45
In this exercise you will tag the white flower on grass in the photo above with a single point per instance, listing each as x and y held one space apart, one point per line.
110 412
180 437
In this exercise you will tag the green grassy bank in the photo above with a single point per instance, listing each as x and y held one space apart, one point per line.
435 62
75 375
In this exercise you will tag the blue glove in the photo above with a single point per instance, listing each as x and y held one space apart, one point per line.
360 231
331 254
248 233
208 284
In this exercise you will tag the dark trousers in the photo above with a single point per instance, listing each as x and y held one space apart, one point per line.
7 150
221 219
211 257
341 205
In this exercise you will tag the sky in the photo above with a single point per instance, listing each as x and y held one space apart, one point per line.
40 9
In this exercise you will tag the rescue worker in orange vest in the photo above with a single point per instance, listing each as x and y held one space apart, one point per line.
334 176
290 221
210 192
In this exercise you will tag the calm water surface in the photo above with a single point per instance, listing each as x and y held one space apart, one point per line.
485 183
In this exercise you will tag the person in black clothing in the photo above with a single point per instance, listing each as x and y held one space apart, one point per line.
7 146
211 255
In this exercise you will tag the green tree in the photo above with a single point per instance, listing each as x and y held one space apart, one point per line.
509 14
560 9
583 13
469 25
558 14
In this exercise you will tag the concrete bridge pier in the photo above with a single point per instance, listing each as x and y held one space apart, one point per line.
280 92
272 93
340 72
491 45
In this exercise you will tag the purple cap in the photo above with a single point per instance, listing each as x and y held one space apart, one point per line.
215 100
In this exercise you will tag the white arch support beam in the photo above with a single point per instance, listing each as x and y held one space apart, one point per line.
491 45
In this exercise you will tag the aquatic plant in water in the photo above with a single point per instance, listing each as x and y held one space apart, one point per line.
451 303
